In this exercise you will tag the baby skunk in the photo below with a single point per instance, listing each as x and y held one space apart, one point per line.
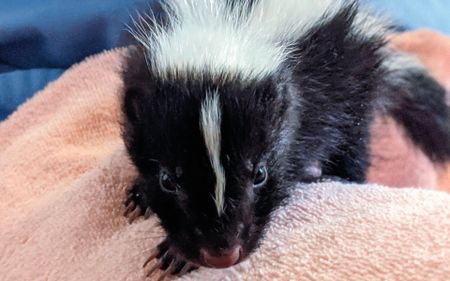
227 104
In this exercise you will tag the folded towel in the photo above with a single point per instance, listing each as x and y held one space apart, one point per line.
63 172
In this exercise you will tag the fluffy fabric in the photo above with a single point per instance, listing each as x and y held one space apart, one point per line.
63 173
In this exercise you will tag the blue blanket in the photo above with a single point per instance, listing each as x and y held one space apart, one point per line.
413 14
39 39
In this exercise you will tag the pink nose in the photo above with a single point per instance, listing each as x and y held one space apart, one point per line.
224 259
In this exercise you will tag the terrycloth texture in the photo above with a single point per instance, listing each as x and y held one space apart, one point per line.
63 173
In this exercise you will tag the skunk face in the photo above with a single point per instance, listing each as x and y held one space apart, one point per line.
205 151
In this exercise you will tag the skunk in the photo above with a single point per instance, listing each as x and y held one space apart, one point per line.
228 104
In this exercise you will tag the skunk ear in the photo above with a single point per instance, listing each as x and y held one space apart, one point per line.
132 109
132 104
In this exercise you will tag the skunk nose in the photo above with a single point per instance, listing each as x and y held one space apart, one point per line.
225 258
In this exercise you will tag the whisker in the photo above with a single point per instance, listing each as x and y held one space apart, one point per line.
154 160
139 239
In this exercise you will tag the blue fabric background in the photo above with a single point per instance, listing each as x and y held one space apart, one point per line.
413 14
39 39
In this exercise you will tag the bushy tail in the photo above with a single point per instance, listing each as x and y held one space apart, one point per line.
418 103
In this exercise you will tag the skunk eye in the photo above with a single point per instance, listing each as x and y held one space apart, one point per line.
166 182
260 176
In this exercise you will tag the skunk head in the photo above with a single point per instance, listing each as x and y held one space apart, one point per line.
207 150
210 111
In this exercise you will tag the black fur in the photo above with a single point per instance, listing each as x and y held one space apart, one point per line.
312 115
336 79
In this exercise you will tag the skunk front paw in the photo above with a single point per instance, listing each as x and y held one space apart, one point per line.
135 204
166 259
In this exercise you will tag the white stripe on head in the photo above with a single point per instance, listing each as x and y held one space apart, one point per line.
206 35
250 41
210 122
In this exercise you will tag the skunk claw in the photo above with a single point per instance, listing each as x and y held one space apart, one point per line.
169 271
152 256
148 213
135 214
128 198
188 267
159 261
168 261
153 269
130 207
